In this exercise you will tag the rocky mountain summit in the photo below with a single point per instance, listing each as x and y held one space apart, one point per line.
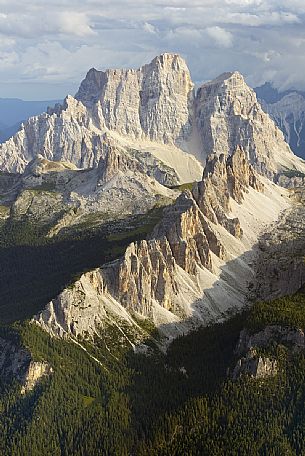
228 114
154 111
153 102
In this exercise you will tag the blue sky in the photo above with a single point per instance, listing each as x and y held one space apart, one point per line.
46 48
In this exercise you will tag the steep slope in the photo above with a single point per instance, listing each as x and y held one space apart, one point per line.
194 268
228 114
152 102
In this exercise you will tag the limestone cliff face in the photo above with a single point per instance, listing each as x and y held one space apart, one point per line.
159 274
76 310
147 273
35 373
155 105
255 366
152 102
115 162
225 178
228 115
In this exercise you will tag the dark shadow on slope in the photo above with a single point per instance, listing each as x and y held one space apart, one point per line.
131 388
33 273
197 363
194 365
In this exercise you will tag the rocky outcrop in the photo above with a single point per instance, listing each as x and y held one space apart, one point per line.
147 273
115 162
162 274
294 337
225 178
76 309
117 159
255 366
35 373
16 364
280 267
259 366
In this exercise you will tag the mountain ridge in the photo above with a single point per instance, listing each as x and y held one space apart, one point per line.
154 108
287 109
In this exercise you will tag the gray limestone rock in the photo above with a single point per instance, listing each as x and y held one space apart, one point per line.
159 274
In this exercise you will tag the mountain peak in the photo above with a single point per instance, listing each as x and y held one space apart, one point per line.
233 78
151 102
169 61
155 104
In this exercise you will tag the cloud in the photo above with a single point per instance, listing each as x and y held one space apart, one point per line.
222 37
55 43
268 18
74 23
150 28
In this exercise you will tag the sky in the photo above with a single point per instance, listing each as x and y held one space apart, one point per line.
46 48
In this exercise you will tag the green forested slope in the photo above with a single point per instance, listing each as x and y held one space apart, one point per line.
181 403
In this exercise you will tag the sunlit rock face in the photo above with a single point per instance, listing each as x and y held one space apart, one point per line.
228 115
155 108
162 276
153 102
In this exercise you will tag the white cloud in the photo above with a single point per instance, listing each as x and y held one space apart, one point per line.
221 36
74 23
58 41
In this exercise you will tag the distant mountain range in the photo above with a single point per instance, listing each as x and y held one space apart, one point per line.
14 111
287 109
